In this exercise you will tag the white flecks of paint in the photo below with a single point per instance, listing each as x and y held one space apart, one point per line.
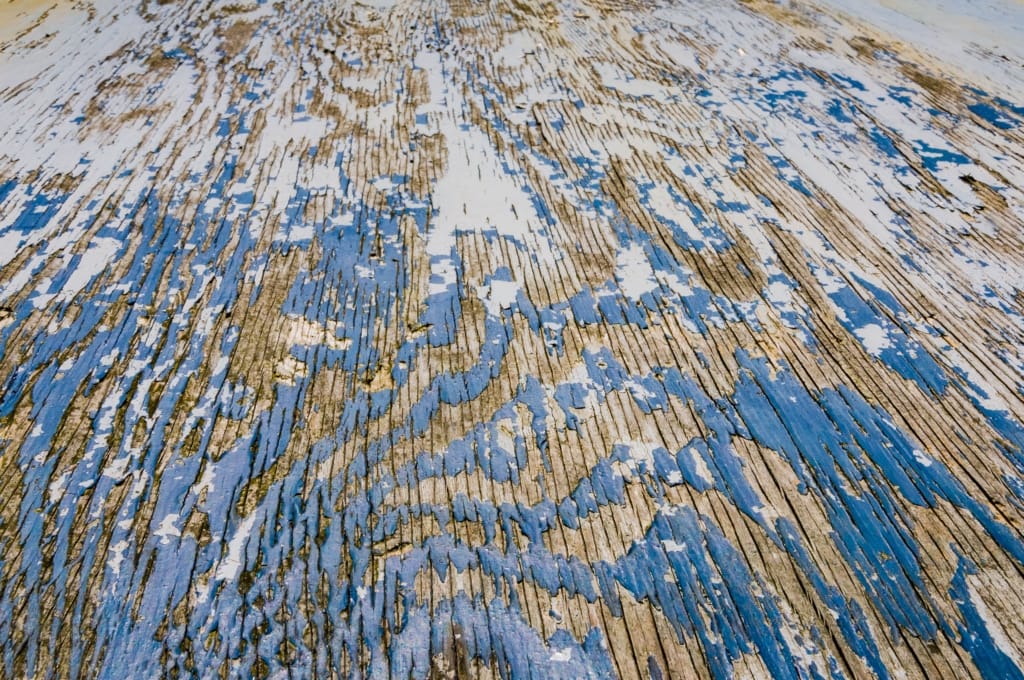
995 629
962 33
830 283
302 331
874 338
117 468
300 233
117 559
581 377
682 288
638 390
289 370
479 192
982 389
665 206
806 654
383 184
141 482
768 513
443 275
205 483
641 456
517 46
673 546
676 284
562 655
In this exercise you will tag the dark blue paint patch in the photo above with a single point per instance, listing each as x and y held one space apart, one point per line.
932 157
993 115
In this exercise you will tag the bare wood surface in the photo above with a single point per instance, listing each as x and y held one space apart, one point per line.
505 339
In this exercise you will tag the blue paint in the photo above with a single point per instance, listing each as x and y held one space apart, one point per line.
975 636
884 143
837 110
933 157
331 559
901 353
989 113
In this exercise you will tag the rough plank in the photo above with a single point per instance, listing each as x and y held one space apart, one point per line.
592 338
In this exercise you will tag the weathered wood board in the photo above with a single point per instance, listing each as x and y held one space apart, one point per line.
593 338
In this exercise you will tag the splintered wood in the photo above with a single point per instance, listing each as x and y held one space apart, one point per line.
592 338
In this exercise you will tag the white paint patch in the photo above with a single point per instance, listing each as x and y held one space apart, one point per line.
580 376
980 38
57 486
518 45
302 331
300 233
97 257
498 295
641 456
117 551
289 370
167 529
232 564
663 203
676 284
779 294
634 272
874 338
506 437
479 192
700 467
830 283
205 483
613 78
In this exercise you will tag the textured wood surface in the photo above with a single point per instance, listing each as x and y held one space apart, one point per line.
592 338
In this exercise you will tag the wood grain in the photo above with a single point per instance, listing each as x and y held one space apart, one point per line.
595 338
